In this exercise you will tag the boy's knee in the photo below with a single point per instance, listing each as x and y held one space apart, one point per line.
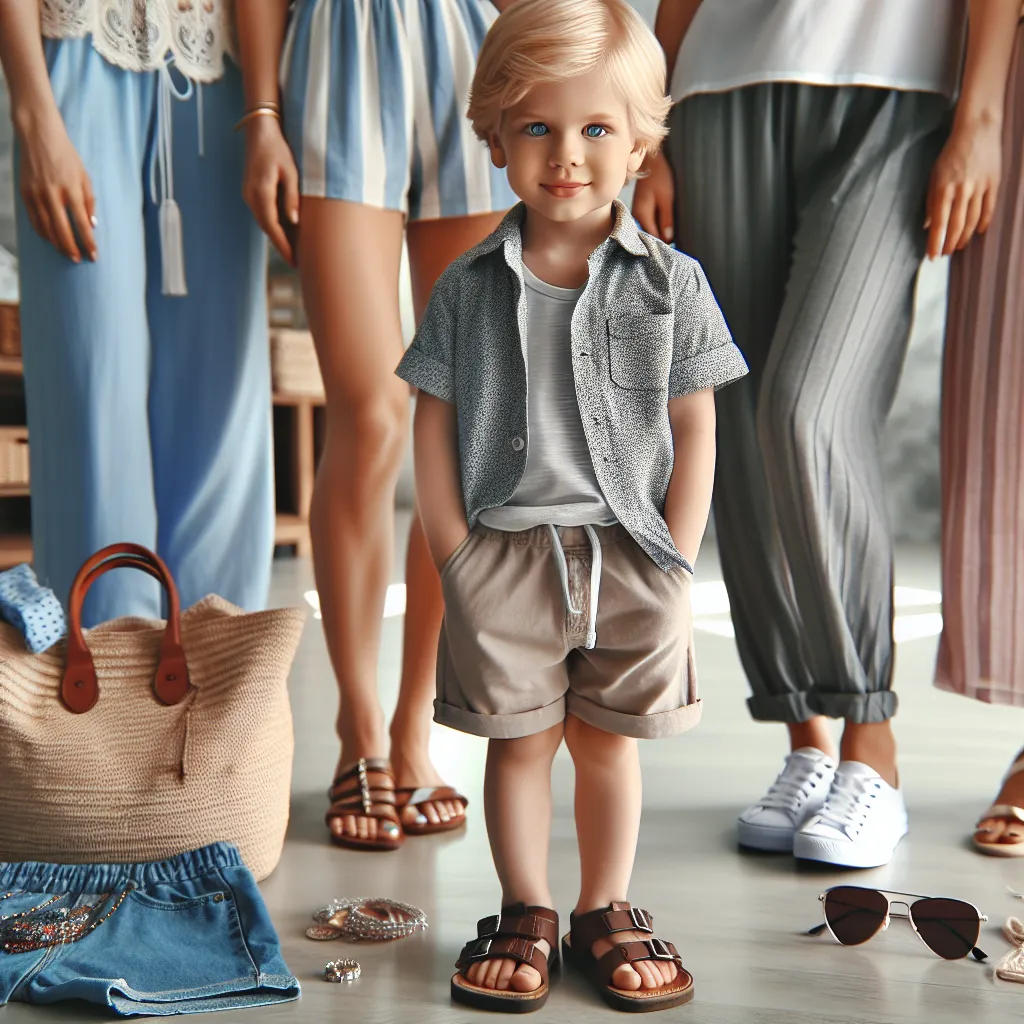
588 743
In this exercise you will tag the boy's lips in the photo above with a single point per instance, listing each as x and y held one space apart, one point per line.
564 189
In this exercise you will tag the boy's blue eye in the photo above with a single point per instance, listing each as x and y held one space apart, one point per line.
595 131
537 129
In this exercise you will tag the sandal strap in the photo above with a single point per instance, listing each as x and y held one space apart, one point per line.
632 952
412 796
1002 811
521 921
1015 769
513 935
363 767
503 947
359 796
586 929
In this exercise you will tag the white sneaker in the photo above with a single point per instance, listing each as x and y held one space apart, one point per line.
861 824
797 794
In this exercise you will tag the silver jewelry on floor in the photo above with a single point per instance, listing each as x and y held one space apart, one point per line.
354 919
342 970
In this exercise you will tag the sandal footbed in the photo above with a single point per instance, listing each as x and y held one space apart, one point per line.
503 1001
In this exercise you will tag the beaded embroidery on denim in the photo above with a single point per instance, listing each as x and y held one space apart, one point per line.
40 927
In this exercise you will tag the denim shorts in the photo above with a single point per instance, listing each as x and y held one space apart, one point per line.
185 935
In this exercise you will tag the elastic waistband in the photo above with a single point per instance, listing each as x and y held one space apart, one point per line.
572 537
32 876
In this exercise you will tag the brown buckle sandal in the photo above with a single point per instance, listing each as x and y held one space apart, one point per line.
412 796
352 793
512 936
586 929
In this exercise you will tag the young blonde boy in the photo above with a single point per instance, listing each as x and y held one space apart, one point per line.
565 448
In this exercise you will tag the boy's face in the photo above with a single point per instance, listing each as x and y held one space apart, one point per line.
568 147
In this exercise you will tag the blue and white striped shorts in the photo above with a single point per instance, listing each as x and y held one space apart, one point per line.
374 105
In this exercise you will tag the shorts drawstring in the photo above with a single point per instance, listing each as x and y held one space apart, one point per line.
595 579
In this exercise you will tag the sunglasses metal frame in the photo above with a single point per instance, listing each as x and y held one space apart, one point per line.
909 900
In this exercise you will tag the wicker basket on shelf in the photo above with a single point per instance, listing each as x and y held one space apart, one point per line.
14 472
293 364
10 330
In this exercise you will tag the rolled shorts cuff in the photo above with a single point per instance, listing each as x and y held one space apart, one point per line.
641 727
500 727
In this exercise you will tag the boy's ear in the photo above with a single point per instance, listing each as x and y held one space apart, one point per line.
498 157
636 158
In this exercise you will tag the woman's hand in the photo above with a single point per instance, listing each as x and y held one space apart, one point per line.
56 189
654 199
271 183
964 187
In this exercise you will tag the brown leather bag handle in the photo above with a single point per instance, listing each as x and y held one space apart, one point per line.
80 688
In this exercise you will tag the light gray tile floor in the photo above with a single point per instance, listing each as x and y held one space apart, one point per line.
736 918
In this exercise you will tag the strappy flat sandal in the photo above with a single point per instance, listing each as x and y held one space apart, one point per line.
511 936
1007 812
586 929
352 793
412 796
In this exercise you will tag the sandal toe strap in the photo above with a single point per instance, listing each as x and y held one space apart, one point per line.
1002 811
634 952
520 921
504 947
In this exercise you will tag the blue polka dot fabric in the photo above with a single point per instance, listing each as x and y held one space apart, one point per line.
31 608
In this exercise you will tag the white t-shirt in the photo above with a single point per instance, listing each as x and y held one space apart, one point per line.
559 486
910 45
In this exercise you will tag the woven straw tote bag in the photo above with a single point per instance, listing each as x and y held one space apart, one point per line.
137 740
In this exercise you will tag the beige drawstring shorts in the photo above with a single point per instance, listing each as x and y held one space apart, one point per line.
512 659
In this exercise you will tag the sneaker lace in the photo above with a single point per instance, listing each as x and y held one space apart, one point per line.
792 786
849 802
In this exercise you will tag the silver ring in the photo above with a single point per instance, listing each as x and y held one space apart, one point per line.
342 970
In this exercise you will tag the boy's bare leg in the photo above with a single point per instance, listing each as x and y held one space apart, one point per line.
609 790
517 807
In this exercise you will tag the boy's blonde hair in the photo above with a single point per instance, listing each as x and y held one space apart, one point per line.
536 42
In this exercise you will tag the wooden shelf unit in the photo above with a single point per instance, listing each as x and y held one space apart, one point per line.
295 451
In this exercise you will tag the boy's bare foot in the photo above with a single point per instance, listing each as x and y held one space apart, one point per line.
643 973
1006 831
505 975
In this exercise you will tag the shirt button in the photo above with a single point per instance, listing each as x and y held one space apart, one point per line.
518 444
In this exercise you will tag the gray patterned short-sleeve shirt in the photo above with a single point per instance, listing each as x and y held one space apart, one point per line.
646 329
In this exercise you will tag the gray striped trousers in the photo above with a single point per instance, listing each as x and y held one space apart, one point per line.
805 205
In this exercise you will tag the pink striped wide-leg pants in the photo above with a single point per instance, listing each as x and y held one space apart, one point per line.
981 653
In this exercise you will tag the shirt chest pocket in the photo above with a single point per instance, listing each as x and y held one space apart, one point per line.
640 351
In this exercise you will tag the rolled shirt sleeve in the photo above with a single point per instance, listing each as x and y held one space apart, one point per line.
703 352
428 363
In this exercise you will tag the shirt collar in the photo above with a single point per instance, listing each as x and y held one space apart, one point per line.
624 232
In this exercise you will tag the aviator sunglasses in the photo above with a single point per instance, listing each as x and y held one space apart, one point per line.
949 928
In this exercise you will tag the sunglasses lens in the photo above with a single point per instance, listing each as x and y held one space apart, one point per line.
855 914
949 927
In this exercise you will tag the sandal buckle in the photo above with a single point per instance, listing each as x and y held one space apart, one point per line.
481 948
658 949
640 918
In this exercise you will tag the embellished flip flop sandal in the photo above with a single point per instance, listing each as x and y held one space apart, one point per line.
411 796
353 792
1007 812
586 929
511 936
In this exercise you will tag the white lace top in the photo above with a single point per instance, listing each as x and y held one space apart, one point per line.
139 34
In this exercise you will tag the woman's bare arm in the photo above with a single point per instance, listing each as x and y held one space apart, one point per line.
271 182
54 185
965 181
671 24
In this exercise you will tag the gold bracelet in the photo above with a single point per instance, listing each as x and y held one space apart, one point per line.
257 112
